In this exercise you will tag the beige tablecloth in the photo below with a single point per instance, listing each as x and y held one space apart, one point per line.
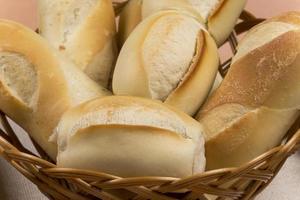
13 186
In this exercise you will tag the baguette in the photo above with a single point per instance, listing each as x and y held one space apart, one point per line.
83 31
219 16
37 85
169 57
129 137
259 99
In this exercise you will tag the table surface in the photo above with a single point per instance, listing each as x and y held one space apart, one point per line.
13 186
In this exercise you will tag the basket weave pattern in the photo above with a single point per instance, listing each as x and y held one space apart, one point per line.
235 183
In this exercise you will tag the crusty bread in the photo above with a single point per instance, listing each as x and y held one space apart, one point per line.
169 57
130 136
216 84
130 17
219 16
83 31
260 97
223 17
37 85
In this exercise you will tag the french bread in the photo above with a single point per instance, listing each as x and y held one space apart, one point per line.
216 84
169 57
130 136
36 85
219 16
83 31
259 99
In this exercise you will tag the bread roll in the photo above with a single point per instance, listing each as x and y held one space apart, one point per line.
36 85
83 31
130 136
169 57
216 84
259 99
219 16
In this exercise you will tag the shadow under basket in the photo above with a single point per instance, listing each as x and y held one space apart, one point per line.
244 182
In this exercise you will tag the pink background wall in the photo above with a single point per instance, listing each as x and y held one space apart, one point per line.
24 10
266 8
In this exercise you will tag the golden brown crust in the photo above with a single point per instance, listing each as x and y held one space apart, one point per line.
249 137
262 76
258 100
292 17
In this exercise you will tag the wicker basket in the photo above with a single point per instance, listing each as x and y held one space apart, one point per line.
244 182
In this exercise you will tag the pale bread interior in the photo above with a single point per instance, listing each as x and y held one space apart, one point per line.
80 10
120 112
131 115
168 50
150 7
19 76
83 31
166 56
219 16
204 7
54 11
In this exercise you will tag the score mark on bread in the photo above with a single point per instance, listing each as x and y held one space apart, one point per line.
38 85
129 136
19 77
83 31
168 57
259 99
